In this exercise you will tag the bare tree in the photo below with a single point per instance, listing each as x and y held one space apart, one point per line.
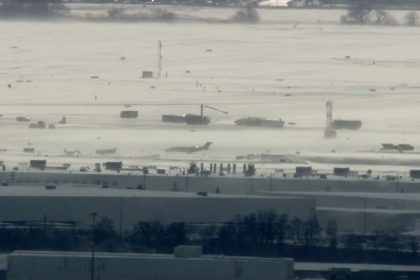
116 12
413 245
147 235
331 231
359 13
296 230
412 19
34 8
353 242
384 18
247 15
311 232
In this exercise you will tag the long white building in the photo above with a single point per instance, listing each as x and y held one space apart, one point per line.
126 207
41 265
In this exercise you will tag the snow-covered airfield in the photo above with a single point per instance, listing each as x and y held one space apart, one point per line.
287 66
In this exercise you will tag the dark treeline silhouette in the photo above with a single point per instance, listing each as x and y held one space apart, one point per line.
363 12
246 15
264 233
31 8
51 7
291 3
48 9
218 3
155 14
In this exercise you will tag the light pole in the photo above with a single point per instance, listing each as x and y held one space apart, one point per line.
271 182
92 260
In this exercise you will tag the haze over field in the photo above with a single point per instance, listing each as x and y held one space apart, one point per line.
286 67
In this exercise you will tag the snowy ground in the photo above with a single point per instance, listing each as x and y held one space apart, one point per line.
286 67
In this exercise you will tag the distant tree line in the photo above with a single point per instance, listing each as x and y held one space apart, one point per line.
31 8
220 3
44 7
264 233
247 14
367 11
51 6
55 8
381 4
362 12
155 14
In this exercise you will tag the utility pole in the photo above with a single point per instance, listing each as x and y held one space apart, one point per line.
121 215
92 260
186 183
271 182
329 113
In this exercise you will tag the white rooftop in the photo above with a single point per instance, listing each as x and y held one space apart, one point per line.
129 255
381 195
72 191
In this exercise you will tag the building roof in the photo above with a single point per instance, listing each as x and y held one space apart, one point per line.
361 195
134 255
73 191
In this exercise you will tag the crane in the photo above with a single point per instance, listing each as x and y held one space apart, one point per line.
192 119
202 106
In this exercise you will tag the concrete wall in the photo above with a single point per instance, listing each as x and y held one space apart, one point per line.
46 266
126 211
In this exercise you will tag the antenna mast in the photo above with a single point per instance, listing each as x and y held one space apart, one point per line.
159 61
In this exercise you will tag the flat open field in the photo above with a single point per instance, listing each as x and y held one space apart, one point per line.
286 67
